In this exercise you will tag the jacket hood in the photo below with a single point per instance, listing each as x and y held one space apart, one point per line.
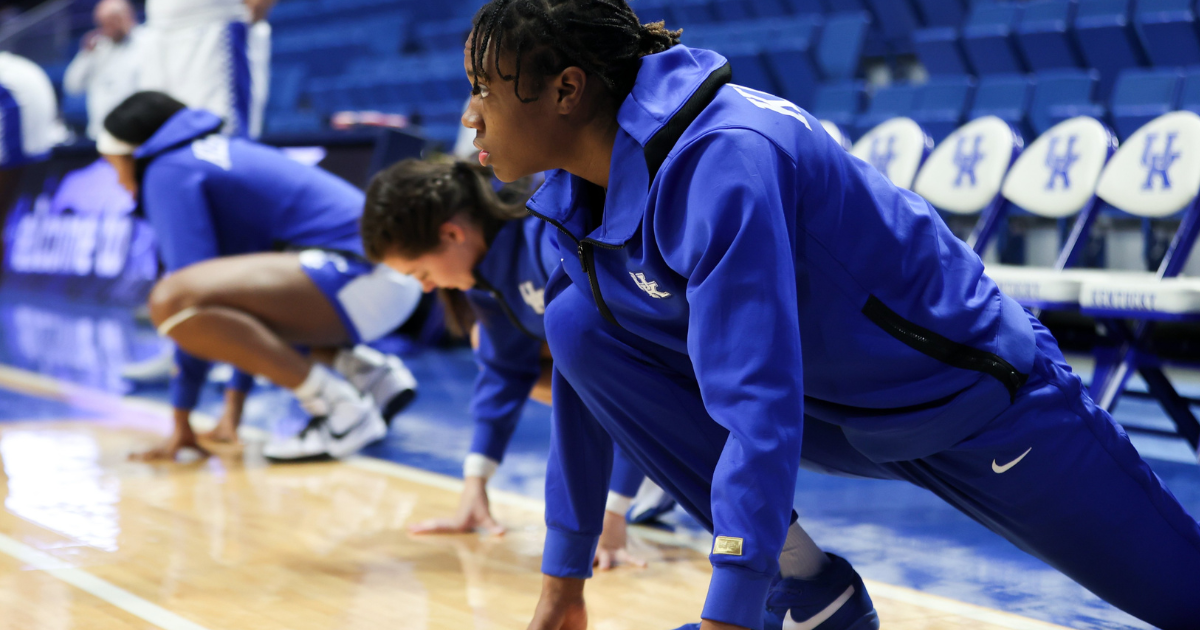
186 125
671 90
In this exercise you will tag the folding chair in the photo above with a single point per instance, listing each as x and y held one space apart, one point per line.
1156 174
963 175
896 148
835 132
1055 178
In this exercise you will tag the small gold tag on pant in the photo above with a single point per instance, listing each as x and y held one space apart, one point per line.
727 546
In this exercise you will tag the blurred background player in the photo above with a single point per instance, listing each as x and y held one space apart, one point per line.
443 224
212 55
106 68
212 200
29 124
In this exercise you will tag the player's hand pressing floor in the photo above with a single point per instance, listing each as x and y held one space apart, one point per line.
181 440
613 548
474 514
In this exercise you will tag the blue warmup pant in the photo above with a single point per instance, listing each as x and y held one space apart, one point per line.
1079 496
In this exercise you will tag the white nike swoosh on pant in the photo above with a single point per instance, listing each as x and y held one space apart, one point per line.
821 617
1003 469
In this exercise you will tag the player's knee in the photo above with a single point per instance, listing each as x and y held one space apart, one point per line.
170 296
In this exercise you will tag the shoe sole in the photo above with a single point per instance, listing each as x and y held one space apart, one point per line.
397 404
307 459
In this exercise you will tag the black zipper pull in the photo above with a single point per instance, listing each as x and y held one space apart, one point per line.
583 259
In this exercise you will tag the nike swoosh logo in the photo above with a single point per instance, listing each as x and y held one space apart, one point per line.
819 618
339 436
998 469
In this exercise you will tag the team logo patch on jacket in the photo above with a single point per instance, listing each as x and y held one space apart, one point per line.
535 298
649 286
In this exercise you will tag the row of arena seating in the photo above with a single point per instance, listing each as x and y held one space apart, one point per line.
982 175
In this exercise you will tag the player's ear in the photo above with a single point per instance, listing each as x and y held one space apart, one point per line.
569 87
451 233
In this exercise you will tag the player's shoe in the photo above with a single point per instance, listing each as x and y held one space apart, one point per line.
343 422
156 369
649 503
382 376
836 599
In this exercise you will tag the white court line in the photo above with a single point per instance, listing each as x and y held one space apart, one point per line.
84 581
51 387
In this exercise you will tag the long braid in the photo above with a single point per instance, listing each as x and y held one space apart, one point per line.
602 37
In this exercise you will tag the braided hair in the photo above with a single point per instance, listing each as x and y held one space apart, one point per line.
603 37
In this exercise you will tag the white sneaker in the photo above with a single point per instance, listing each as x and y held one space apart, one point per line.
650 503
156 369
384 377
343 421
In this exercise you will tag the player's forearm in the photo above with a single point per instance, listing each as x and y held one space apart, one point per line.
561 604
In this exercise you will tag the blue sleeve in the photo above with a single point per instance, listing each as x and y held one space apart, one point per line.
626 476
174 201
509 365
188 380
726 221
580 462
240 381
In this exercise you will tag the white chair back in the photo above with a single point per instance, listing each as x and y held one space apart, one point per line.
964 173
1156 173
835 132
1056 176
896 148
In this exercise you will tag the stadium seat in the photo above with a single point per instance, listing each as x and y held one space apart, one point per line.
896 148
1143 95
940 51
1107 39
1156 174
1189 93
888 102
897 20
790 58
989 38
1055 178
1062 94
963 175
1168 30
839 103
835 132
803 7
652 11
731 10
1005 96
441 35
771 8
841 45
685 12
941 12
749 67
1044 35
942 104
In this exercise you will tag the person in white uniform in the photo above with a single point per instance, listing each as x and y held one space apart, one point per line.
212 55
106 68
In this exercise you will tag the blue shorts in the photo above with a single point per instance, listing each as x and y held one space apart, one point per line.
371 300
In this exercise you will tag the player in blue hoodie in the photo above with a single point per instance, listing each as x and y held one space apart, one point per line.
732 281
262 253
443 224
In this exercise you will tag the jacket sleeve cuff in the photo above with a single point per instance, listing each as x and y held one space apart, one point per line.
736 596
569 554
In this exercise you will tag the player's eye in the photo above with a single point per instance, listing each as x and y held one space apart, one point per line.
480 90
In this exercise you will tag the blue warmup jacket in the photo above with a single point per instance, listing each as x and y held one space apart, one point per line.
507 301
207 195
796 279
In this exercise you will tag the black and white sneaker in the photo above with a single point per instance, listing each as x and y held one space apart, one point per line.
383 377
343 422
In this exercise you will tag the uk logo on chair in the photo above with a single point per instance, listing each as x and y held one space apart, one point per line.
896 148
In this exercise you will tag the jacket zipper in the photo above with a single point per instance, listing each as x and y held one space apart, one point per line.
499 297
587 262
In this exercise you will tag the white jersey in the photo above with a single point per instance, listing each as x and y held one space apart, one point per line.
108 74
27 96
186 13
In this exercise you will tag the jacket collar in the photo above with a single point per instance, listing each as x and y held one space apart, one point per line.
186 125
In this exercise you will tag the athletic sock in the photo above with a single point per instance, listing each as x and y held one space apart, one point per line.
801 557
354 363
318 376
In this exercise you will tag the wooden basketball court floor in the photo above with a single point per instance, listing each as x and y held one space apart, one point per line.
89 540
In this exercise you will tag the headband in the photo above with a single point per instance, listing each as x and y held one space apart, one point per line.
108 144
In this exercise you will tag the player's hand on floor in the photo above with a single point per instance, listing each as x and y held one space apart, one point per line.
170 449
613 548
474 513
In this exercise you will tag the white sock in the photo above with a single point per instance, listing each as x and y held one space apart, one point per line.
351 360
314 383
801 557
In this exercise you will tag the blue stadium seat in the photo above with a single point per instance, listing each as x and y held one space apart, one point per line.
652 11
749 68
888 102
731 10
441 34
841 45
1189 93
769 8
685 12
1062 94
942 103
942 12
844 6
790 60
1107 39
287 82
1005 96
989 38
1044 35
897 20
1141 95
1168 30
940 51
804 7
839 103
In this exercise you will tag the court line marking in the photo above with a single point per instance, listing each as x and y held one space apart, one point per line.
93 585
46 386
